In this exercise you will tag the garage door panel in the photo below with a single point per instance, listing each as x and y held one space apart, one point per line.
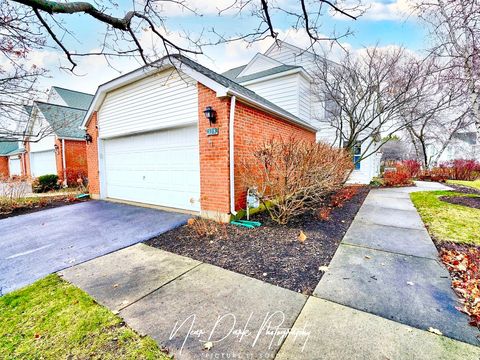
43 163
15 166
160 168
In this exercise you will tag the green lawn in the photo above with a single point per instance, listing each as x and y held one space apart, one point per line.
52 319
448 222
473 184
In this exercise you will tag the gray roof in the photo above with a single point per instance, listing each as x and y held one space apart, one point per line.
469 137
65 121
74 99
268 72
8 148
228 83
233 73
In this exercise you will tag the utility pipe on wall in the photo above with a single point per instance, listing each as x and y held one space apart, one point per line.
64 163
232 155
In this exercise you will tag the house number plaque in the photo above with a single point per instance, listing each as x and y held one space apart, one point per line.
212 131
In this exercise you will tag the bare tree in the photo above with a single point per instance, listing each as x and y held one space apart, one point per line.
435 122
27 25
18 37
367 94
455 34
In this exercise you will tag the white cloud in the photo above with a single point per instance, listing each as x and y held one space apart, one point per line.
388 10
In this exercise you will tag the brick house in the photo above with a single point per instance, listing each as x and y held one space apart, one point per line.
151 142
57 143
11 158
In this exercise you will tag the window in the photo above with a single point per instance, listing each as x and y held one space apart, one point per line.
357 151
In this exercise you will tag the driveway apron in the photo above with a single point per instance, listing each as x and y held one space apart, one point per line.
37 244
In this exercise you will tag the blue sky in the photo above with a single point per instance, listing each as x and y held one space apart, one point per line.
385 22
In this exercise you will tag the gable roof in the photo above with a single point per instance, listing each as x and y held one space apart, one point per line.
74 99
8 148
65 121
233 73
259 63
265 73
219 83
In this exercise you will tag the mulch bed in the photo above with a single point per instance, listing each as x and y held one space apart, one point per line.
272 252
473 202
50 204
463 189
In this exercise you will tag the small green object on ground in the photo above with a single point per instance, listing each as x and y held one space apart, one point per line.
238 223
83 196
52 319
253 223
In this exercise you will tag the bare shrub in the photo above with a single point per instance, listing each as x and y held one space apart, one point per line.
207 228
13 188
293 176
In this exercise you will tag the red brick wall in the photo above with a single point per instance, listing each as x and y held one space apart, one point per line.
92 158
252 128
76 159
26 160
4 169
214 156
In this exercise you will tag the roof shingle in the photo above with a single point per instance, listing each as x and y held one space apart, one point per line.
74 99
65 121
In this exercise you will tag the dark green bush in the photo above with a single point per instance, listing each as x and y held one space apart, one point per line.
46 183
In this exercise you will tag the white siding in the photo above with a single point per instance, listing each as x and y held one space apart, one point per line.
305 100
259 63
46 143
167 99
282 91
292 56
14 164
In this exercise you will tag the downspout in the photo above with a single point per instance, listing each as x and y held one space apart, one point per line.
232 155
64 163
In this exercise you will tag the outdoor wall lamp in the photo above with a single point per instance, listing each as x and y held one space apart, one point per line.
210 114
56 148
88 138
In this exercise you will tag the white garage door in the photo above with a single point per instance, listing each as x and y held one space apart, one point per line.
14 165
159 168
43 163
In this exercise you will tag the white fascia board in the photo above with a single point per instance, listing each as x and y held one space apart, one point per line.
278 75
263 107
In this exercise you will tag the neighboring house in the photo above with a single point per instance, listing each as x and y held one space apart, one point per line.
12 151
57 144
283 75
462 146
153 144
11 158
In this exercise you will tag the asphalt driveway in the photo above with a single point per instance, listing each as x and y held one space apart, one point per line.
37 244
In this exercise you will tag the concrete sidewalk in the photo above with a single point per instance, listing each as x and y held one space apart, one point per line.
387 265
184 304
383 290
